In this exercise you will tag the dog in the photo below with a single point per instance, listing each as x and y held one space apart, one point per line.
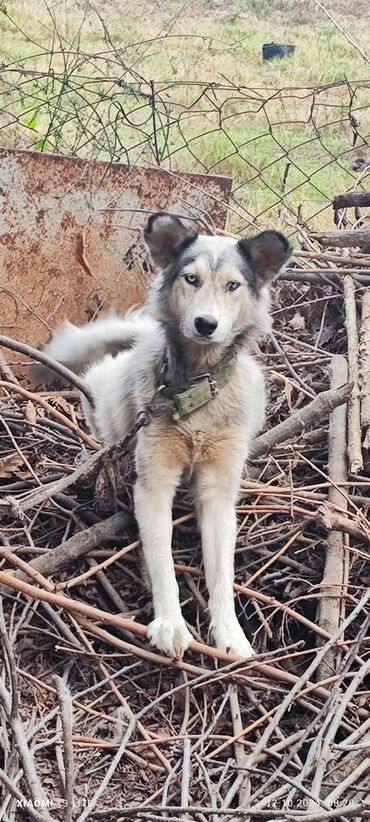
185 356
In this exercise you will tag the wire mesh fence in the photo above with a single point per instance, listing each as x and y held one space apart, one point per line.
288 150
285 736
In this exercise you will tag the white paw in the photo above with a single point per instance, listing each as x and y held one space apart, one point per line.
170 635
229 637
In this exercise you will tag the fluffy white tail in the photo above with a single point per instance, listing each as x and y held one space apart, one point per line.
78 347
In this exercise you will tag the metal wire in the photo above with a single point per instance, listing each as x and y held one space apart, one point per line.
288 150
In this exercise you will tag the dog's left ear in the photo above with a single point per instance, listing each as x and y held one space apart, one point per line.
266 254
165 236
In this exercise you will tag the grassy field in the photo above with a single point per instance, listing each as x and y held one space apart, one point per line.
76 78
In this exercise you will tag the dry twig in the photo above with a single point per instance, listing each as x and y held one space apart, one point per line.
334 584
354 421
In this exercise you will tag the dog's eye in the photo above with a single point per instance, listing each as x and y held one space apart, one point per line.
192 279
232 285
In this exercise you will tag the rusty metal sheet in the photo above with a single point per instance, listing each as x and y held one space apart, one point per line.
70 229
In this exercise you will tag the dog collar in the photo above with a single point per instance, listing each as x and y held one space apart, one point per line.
200 390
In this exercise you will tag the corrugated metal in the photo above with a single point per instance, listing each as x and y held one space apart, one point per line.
65 253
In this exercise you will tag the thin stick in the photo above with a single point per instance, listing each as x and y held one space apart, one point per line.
27 568
185 782
66 713
365 365
11 709
313 255
302 420
287 701
331 257
264 598
81 474
342 31
23 805
6 372
152 812
354 421
109 773
125 624
76 546
123 701
240 756
40 356
136 628
55 559
322 276
29 395
334 583
346 782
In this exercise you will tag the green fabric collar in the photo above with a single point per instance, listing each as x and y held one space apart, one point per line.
191 396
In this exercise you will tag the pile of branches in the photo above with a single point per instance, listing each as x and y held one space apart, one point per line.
95 723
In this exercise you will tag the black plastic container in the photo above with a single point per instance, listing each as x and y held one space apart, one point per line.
271 50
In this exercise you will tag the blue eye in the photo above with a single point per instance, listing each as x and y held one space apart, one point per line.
233 285
192 279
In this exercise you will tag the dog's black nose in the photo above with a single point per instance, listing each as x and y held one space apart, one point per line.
205 325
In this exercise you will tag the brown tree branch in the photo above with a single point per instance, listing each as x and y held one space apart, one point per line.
334 583
354 421
308 417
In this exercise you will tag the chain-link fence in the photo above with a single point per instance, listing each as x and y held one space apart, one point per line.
288 150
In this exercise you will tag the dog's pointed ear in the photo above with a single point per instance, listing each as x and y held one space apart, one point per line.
266 253
165 236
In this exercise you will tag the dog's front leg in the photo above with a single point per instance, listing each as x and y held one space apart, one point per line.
217 486
154 492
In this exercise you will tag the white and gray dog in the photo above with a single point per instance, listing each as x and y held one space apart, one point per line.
186 354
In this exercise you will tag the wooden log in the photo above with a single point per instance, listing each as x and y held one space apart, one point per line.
344 239
357 199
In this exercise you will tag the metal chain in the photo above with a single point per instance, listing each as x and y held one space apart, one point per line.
144 417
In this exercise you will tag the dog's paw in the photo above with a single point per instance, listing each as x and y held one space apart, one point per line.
229 637
170 635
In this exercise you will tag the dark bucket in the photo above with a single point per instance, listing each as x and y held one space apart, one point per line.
271 50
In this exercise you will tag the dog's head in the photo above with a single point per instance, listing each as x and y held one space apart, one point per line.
213 289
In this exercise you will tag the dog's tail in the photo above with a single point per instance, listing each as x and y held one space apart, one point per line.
78 347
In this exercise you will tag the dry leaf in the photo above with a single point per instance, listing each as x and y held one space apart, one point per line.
11 465
297 322
60 402
30 412
288 389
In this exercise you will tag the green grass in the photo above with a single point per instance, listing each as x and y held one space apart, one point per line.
287 153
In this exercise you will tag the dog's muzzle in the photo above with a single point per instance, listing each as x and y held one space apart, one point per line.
205 325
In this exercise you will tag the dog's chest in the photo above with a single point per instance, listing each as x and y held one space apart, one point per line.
203 445
198 437
205 430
